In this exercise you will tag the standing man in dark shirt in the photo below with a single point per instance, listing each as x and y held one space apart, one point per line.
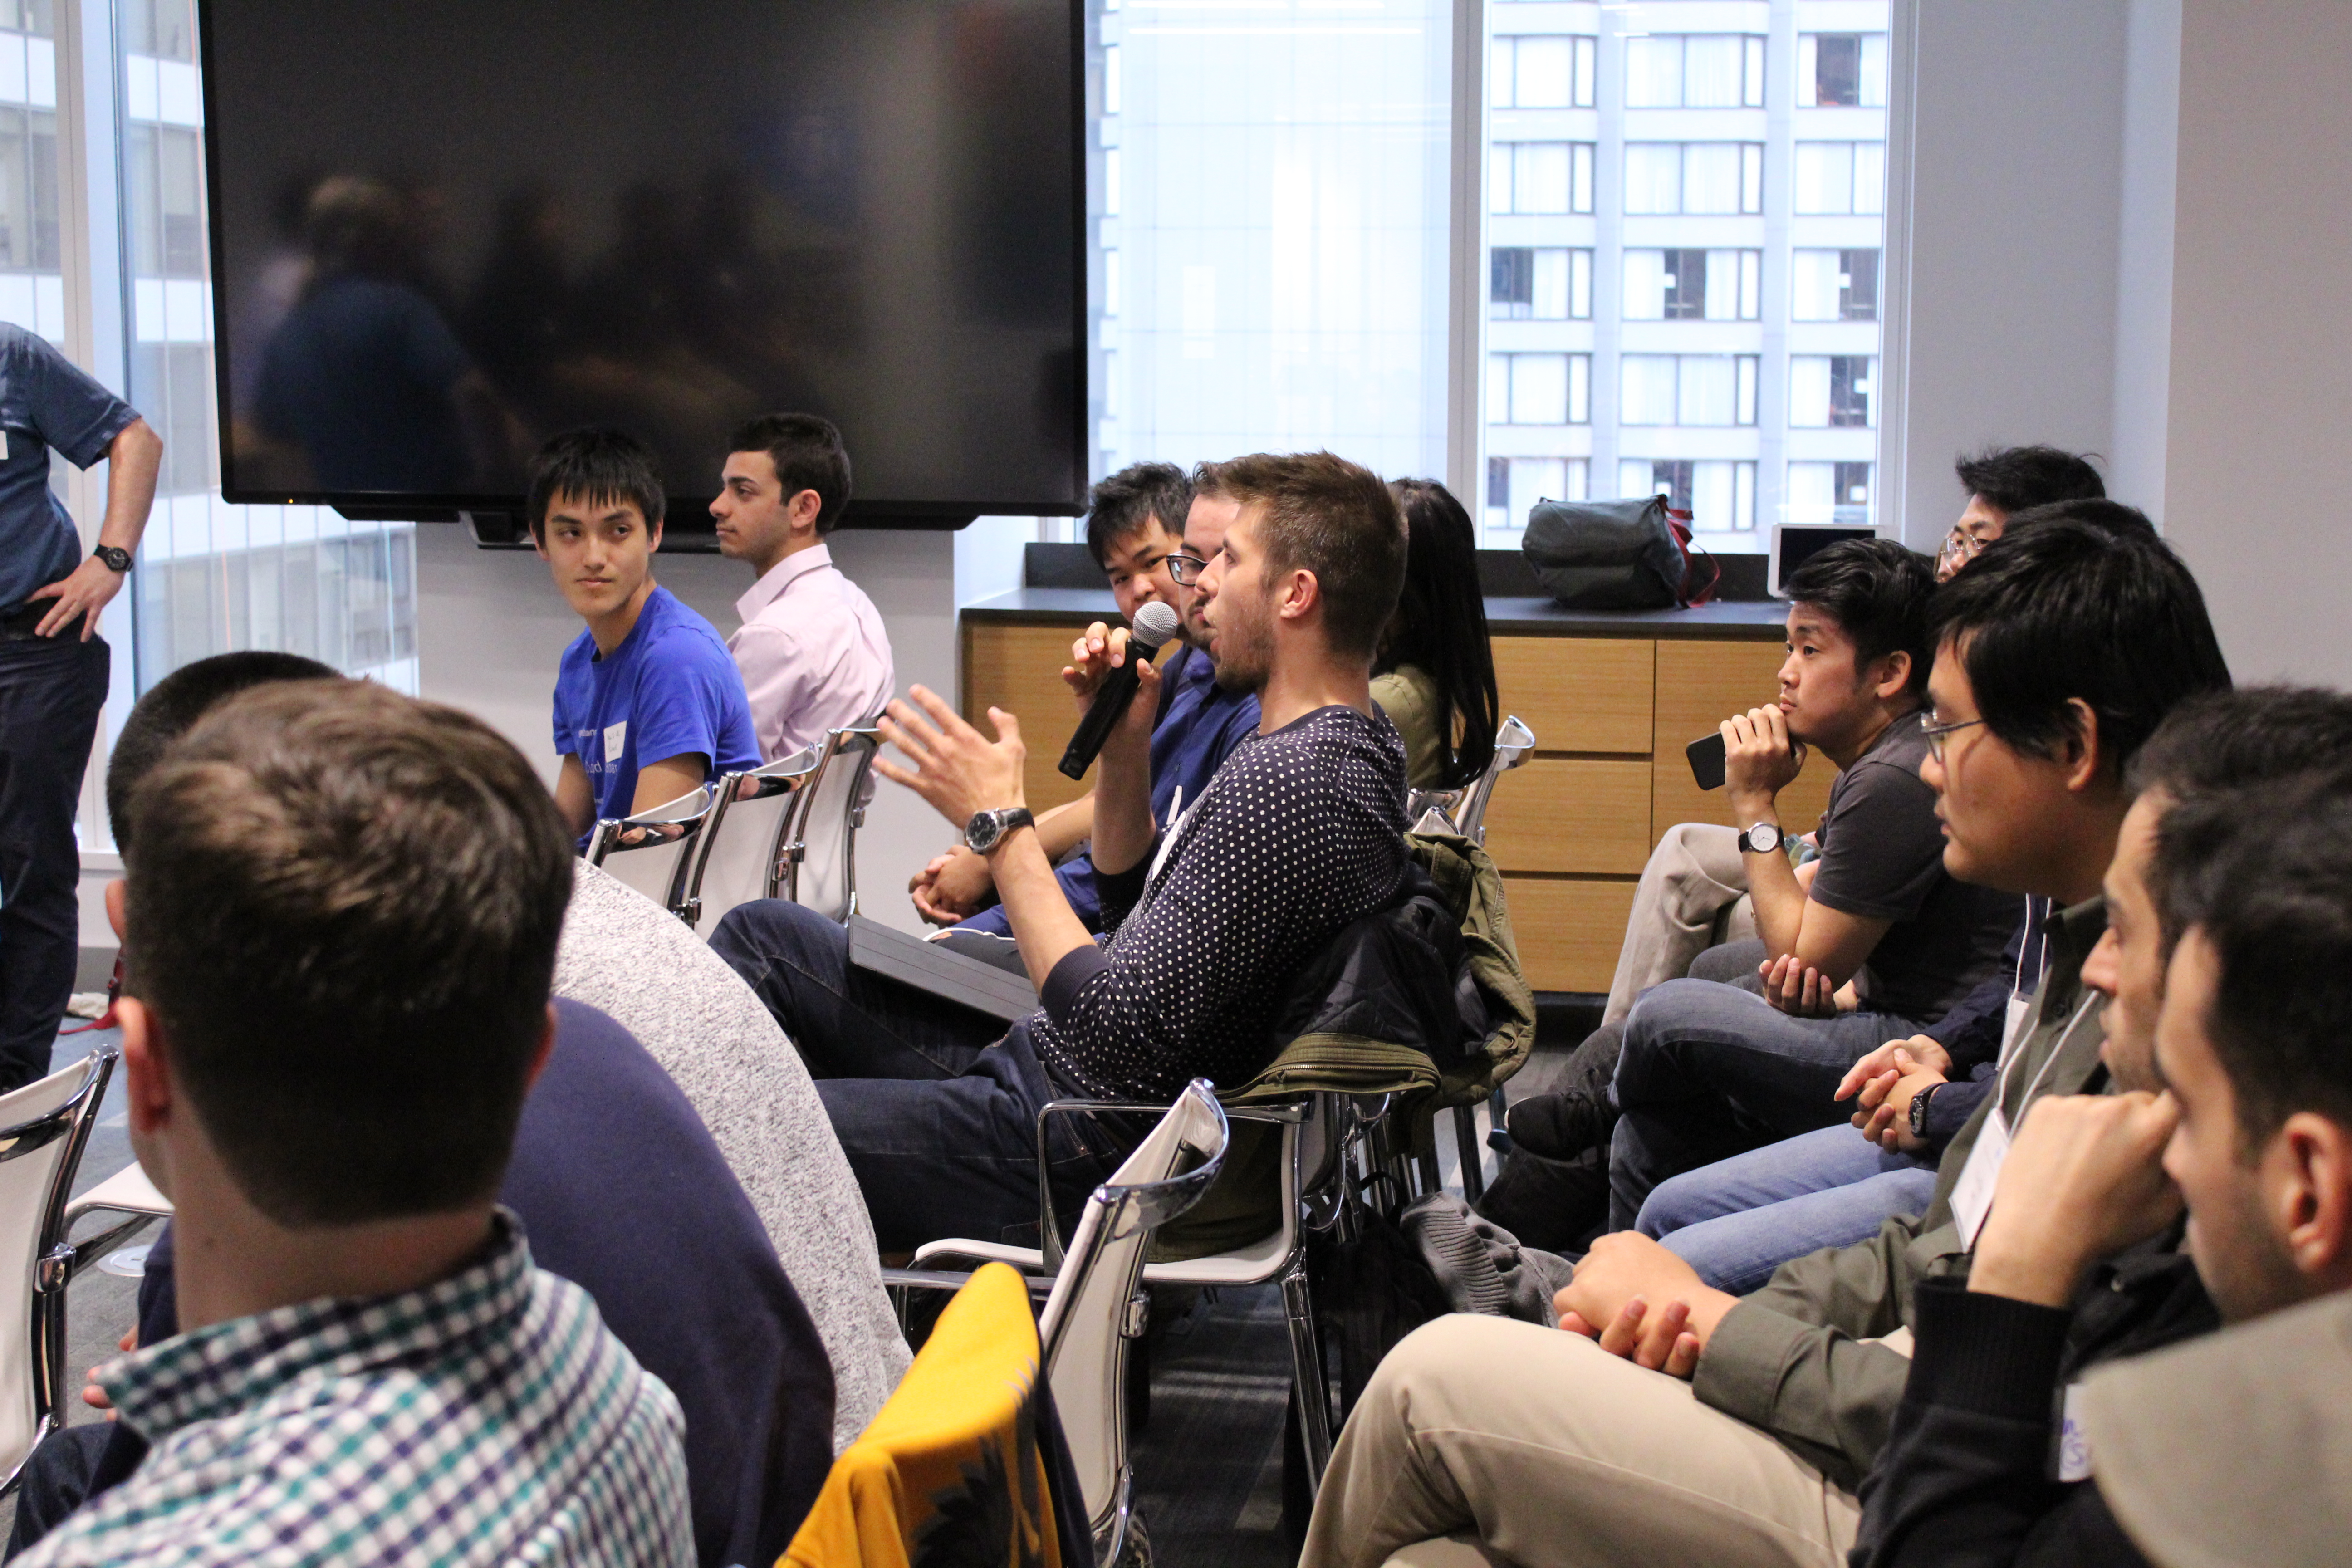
1300 832
53 667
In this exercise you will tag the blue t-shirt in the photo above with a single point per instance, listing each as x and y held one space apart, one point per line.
45 401
669 689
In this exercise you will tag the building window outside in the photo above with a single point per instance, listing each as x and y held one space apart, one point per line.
1542 71
1837 178
1841 70
1693 285
1694 70
213 578
1539 388
1834 286
1541 177
1736 329
1515 485
1839 494
1540 284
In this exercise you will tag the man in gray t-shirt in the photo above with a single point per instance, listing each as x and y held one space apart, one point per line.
1890 942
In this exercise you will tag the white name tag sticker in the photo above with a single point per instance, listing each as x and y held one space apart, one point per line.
616 737
1972 1193
2073 1442
2020 1008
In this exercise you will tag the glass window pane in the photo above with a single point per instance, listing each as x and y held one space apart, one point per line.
1812 492
1646 389
1548 285
1579 389
1539 183
1870 177
1499 162
1714 72
1654 177
1499 74
1711 177
1579 285
1654 72
1498 390
1723 285
1809 391
1645 286
1539 389
1815 278
1824 177
1543 71
1873 71
1709 390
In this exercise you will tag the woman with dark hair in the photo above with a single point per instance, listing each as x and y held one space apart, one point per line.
1434 675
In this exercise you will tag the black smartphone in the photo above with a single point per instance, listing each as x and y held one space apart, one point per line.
1705 755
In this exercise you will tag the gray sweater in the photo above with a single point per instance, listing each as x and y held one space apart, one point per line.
627 956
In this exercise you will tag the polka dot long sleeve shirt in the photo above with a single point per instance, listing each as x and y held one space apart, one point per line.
1300 832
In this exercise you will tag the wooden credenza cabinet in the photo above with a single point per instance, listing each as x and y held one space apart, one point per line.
1612 700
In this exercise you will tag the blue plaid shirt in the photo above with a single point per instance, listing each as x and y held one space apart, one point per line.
488 1419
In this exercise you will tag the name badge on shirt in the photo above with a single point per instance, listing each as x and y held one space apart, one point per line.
2020 1008
2072 1459
1972 1193
615 736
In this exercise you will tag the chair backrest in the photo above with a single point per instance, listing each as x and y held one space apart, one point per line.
652 851
739 856
1089 1315
44 1128
823 850
961 1443
1514 744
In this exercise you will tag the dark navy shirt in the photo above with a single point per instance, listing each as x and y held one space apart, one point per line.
46 401
1200 721
621 1191
670 688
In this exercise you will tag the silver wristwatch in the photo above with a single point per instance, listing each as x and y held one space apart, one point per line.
987 829
1762 838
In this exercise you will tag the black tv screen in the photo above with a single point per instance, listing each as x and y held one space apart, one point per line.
443 230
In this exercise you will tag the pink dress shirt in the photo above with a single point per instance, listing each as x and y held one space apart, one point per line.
812 651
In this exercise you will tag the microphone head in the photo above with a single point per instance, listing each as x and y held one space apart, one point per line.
1154 624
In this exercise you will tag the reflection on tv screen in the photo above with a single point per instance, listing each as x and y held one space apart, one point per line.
447 229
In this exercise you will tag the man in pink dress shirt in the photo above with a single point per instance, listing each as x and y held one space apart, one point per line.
813 649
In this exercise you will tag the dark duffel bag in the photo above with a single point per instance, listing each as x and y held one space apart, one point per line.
1632 554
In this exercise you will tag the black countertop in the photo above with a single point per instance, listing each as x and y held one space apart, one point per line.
1740 621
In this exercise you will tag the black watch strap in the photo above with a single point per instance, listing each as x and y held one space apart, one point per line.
116 558
1919 1110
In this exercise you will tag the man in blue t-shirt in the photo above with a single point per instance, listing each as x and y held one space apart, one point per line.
648 704
53 667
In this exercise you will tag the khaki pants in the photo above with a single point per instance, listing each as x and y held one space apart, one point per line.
1683 906
1556 1454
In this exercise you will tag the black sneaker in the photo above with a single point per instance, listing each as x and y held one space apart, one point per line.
1560 1126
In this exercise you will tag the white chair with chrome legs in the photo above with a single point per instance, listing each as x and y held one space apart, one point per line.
740 854
1093 1304
652 851
44 1128
822 859
1464 810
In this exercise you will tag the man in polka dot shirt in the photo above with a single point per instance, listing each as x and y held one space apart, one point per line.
1299 833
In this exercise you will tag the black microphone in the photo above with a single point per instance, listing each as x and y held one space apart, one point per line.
1154 625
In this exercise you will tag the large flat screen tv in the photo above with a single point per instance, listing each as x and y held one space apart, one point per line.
443 230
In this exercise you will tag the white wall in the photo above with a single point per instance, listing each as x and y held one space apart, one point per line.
2260 389
2008 276
491 627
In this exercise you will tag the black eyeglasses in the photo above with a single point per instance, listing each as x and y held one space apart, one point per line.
1935 732
1186 568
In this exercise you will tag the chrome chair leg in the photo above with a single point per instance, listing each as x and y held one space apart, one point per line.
1309 1384
1473 1157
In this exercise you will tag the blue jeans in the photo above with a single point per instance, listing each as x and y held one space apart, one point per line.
934 1105
51 690
1738 1220
1710 1071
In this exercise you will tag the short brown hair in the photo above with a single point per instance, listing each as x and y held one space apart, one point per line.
1331 517
344 912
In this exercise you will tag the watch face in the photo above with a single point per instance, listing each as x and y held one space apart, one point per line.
981 834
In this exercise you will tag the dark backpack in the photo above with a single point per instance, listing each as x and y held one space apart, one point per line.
1632 554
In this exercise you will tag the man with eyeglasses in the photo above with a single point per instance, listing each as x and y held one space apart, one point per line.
1743 1426
1129 534
2000 482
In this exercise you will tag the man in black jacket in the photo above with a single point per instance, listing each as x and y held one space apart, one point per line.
2251 1124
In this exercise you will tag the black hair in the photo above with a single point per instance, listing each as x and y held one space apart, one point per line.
171 709
1129 500
1440 628
2071 610
808 455
2110 516
1878 593
2015 478
2266 874
596 467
